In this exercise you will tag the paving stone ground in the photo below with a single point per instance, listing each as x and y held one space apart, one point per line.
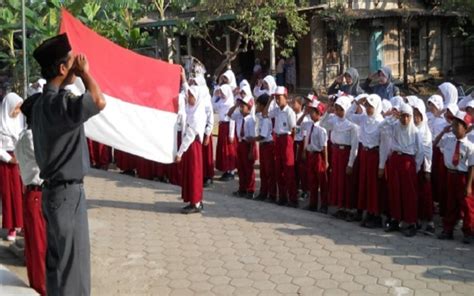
142 245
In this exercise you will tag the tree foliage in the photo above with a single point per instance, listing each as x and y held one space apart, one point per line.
465 21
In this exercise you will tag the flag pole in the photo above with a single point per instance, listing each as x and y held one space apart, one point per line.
25 71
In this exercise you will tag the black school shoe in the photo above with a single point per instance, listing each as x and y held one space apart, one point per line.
429 230
354 217
446 235
207 182
282 202
261 197
468 239
374 222
392 226
323 210
250 195
340 214
410 230
226 177
239 193
192 209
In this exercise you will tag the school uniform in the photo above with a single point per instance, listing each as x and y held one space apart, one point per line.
10 182
300 167
458 156
34 224
125 161
246 133
405 161
100 154
315 143
207 150
344 147
425 197
226 147
438 171
285 122
267 158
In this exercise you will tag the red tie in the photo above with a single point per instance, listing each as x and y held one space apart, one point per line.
242 133
456 155
310 133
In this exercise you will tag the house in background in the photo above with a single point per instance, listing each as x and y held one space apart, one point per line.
413 37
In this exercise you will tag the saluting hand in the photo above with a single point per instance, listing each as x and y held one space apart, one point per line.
177 159
13 160
81 65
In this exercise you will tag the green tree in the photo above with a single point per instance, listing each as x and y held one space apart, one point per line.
465 20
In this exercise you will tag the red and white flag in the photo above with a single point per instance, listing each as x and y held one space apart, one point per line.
141 93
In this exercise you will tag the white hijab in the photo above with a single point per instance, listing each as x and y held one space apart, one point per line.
227 93
450 93
372 123
423 126
229 74
406 135
343 124
196 117
10 126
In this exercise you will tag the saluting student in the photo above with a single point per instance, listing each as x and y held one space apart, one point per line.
190 151
405 161
458 155
285 124
268 187
246 149
316 158
344 147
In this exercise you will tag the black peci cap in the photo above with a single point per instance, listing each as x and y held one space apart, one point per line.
52 50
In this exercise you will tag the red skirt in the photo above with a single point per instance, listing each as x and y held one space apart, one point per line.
208 159
226 152
402 185
246 169
35 241
125 161
369 183
10 194
340 185
146 168
425 198
100 154
192 185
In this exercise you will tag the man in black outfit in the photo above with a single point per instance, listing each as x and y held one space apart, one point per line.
58 119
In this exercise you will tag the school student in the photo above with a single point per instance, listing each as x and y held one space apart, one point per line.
190 151
316 158
344 146
458 155
268 188
284 128
302 121
405 161
11 126
369 187
246 148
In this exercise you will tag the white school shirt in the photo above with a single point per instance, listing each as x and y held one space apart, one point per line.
209 116
427 146
415 148
301 129
221 107
25 153
189 137
437 124
285 120
249 126
318 136
264 128
7 143
466 153
182 110
348 137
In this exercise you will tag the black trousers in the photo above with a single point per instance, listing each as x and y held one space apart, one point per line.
68 247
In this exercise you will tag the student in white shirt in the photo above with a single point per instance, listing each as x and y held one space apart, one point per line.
11 126
316 157
246 147
268 187
284 128
344 146
425 198
458 154
302 122
226 153
34 223
405 161
190 151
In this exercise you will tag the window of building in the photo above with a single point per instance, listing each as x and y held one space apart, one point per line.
331 47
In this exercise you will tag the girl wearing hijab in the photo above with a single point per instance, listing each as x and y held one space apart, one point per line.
425 198
369 160
265 86
207 146
405 161
228 77
385 88
345 141
449 93
226 152
190 151
12 124
351 85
